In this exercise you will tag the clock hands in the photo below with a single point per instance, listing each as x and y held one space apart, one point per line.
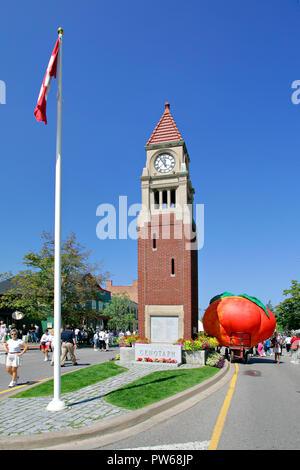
164 163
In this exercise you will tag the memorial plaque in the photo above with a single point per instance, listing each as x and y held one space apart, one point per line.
158 351
164 329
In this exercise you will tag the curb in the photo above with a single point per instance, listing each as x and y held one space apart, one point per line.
115 429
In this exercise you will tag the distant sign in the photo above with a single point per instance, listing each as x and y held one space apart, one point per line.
17 315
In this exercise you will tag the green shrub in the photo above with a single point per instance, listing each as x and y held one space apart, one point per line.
213 358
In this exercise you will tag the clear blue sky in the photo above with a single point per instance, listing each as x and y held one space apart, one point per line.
226 68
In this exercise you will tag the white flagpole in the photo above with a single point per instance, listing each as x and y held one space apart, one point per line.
57 404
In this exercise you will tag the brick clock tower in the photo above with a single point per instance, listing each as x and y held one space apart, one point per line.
167 239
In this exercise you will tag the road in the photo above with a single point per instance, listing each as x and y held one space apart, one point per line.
34 368
264 414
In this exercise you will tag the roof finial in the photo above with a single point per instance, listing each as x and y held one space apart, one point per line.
167 106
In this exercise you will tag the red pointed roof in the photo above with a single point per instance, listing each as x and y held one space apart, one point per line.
166 129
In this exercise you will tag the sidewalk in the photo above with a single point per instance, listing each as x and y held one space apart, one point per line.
86 414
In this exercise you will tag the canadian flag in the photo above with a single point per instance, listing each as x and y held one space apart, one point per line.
40 110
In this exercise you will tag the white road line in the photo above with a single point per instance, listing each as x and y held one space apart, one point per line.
196 445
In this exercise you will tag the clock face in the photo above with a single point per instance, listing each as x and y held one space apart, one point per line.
164 163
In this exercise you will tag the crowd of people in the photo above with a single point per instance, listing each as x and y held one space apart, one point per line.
27 334
15 342
277 342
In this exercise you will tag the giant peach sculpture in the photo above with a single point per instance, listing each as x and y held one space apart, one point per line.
228 314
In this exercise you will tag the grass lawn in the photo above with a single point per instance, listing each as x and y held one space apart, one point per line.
75 380
157 386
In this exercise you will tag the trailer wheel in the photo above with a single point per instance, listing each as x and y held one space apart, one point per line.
227 354
247 358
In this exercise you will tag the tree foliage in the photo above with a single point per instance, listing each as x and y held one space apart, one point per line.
32 290
270 307
120 313
288 311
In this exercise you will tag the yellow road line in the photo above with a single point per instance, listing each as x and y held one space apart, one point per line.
24 385
223 413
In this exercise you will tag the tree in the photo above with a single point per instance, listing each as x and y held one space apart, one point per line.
288 311
32 289
270 307
120 312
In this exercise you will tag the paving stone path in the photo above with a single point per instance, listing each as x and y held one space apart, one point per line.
24 416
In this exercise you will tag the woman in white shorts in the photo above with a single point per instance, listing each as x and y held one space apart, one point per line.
106 339
13 349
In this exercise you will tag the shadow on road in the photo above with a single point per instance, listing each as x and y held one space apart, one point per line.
260 360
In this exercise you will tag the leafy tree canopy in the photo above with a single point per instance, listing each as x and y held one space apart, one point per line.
32 290
120 312
288 311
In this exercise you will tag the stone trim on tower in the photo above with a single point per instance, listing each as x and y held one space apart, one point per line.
167 268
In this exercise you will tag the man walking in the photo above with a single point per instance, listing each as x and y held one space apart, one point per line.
68 345
101 340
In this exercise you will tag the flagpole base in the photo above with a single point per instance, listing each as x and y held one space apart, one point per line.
56 405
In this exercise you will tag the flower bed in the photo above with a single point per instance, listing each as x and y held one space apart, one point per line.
215 359
129 341
195 351
156 359
199 344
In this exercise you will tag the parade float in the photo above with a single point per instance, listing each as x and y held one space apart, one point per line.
239 322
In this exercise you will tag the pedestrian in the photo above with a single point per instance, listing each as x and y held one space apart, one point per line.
96 340
106 340
8 331
32 334
101 340
68 345
52 346
13 350
77 335
24 333
3 331
268 345
111 337
277 347
46 344
287 343
36 331
260 349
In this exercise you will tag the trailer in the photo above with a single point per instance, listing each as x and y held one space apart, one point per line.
240 346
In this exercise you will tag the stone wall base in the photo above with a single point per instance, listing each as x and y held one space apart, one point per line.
195 357
126 355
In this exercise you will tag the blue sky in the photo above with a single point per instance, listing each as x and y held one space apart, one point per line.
227 70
